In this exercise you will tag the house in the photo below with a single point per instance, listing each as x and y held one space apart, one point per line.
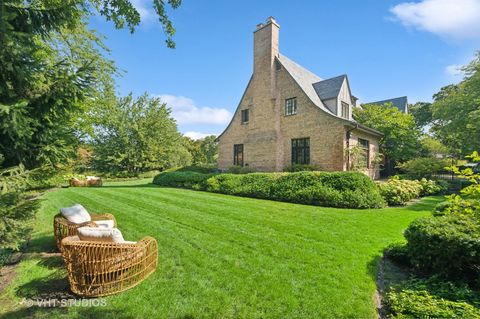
401 103
288 115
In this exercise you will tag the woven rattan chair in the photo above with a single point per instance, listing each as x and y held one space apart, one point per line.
63 228
104 268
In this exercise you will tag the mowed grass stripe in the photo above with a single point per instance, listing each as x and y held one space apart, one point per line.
231 257
135 202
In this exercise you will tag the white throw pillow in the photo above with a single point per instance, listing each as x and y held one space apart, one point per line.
76 214
101 234
107 223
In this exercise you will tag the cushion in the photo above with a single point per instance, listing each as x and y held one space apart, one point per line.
108 223
76 214
101 234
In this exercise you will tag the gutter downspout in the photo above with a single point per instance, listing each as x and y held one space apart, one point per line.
348 144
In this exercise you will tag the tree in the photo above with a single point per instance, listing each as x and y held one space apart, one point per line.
53 70
400 142
204 151
16 208
136 135
422 113
456 111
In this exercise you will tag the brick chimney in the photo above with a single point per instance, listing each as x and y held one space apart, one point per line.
265 46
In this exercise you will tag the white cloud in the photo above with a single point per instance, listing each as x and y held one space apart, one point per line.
185 111
449 18
454 70
145 9
197 135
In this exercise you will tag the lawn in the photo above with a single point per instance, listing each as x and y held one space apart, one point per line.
221 256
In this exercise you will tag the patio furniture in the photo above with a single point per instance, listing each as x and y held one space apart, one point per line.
94 181
62 227
104 268
75 182
90 181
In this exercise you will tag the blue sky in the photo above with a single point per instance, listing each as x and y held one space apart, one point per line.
387 48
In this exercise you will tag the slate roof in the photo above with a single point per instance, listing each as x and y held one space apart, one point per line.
318 89
400 103
330 88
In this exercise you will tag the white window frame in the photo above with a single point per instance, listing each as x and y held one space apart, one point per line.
345 110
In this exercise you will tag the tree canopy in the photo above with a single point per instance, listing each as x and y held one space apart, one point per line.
400 141
456 112
53 70
136 135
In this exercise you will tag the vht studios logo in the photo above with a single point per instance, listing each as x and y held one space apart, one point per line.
50 303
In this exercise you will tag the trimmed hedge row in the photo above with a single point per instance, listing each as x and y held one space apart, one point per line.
192 180
338 189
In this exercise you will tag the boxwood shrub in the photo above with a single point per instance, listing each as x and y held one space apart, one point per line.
340 189
447 245
181 179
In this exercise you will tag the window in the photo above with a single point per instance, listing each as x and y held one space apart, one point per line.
291 106
345 110
365 146
301 151
245 116
238 154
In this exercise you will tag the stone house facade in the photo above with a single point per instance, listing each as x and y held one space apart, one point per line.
288 115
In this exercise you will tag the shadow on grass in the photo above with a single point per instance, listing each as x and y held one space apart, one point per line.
63 312
54 286
43 244
426 203
149 185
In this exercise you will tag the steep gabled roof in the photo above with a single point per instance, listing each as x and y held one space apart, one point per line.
400 103
330 88
305 80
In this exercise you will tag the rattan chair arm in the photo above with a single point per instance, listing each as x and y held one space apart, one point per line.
147 241
104 216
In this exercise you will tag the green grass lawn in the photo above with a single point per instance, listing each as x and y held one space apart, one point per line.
221 256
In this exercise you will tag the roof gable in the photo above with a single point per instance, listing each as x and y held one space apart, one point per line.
401 103
305 79
330 88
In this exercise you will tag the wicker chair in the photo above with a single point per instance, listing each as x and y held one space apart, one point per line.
63 228
104 268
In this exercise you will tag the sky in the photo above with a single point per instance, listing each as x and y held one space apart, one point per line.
388 48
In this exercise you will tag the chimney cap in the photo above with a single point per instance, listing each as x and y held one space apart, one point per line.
271 19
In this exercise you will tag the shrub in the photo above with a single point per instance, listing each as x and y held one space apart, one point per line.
423 167
204 169
182 179
345 189
446 245
398 253
299 168
250 185
236 169
398 192
410 303
441 208
430 187
342 189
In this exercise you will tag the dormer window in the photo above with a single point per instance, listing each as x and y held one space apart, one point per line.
245 116
291 106
345 110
